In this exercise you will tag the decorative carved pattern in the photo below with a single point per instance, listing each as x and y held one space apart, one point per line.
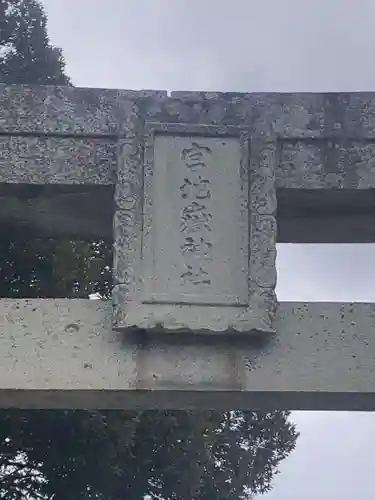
128 196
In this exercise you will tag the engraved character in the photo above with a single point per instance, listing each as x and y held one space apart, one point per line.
194 157
196 245
195 217
199 188
196 275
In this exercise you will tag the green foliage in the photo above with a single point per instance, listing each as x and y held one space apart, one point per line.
126 455
54 268
118 455
38 268
43 268
26 55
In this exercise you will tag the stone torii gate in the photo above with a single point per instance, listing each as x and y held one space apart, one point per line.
196 188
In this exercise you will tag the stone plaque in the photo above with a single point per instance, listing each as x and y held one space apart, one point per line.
189 248
197 249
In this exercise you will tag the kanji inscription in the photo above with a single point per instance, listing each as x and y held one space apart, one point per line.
196 215
199 240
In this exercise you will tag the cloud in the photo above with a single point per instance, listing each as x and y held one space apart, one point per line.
333 458
247 45
331 273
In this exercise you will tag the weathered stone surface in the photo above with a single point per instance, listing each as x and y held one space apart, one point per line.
74 110
57 160
63 354
326 164
326 190
262 172
195 96
301 115
226 109
50 109
195 272
356 159
129 159
302 164
128 221
355 114
263 251
63 345
65 110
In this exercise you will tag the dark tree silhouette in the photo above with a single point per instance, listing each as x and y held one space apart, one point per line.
122 454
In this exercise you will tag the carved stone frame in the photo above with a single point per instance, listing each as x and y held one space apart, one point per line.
132 309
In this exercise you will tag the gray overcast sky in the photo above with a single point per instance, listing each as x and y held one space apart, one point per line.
251 45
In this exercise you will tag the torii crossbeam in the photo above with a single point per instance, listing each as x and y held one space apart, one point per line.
195 189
